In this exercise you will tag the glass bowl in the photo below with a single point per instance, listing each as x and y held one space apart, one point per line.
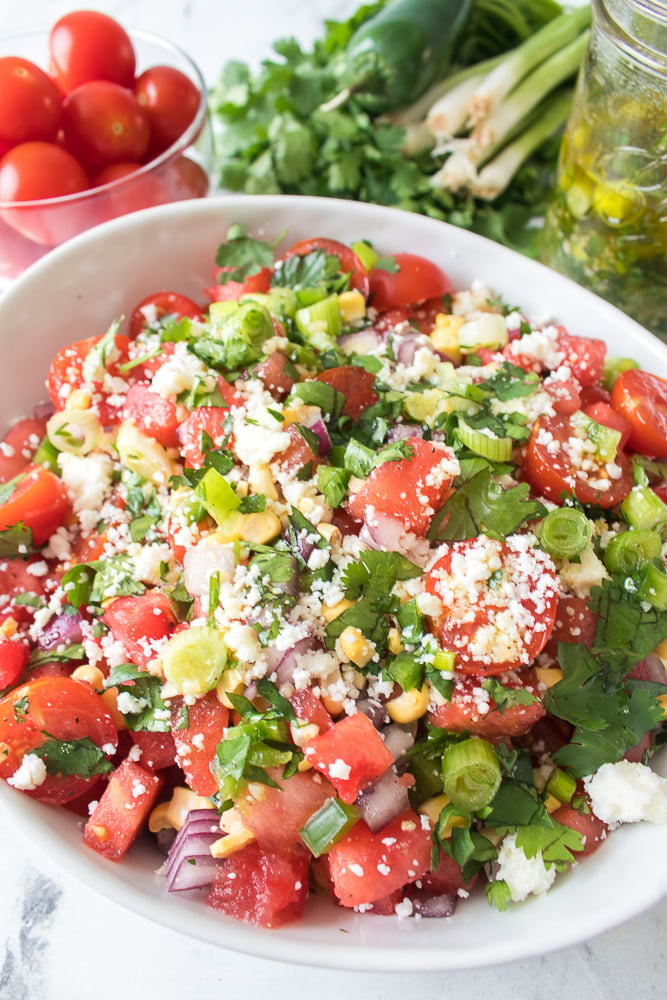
29 229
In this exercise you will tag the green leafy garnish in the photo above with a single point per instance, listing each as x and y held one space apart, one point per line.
79 757
482 506
149 712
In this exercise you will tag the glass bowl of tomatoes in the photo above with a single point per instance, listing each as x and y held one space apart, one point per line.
95 122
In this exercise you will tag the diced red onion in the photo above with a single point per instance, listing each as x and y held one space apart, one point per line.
201 561
397 740
383 801
43 411
433 906
362 342
315 423
290 659
63 630
388 534
189 862
651 668
374 710
400 432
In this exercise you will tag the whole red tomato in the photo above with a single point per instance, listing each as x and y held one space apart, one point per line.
103 123
30 103
171 101
35 170
88 45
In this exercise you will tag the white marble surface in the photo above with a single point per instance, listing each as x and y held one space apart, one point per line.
59 940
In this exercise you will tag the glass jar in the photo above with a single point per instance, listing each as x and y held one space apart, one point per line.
606 226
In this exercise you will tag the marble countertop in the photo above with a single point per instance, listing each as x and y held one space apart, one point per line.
59 939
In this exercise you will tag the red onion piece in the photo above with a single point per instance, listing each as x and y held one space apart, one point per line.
388 534
651 668
194 872
42 411
374 710
315 423
397 740
189 862
204 559
290 659
362 342
400 432
433 906
383 801
63 630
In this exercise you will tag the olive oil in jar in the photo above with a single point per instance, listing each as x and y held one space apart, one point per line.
607 222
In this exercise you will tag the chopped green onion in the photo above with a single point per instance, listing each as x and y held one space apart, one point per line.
613 367
481 442
217 496
643 509
471 774
194 660
630 550
367 254
444 660
561 785
565 533
327 825
47 455
281 302
653 587
605 439
320 323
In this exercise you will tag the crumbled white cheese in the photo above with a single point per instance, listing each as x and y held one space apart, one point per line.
30 774
88 480
524 876
627 792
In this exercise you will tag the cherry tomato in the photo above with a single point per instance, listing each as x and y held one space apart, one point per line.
498 603
233 290
19 445
103 123
469 710
66 373
152 414
185 179
585 356
416 280
14 655
36 170
171 100
556 466
63 708
17 579
30 105
642 399
349 262
89 45
355 383
115 172
40 501
160 304
606 415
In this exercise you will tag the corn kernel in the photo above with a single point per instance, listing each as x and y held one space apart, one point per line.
330 533
661 650
394 641
78 399
232 681
352 305
354 644
231 843
445 335
548 675
110 699
331 611
433 807
8 628
183 800
260 528
91 675
410 705
663 701
159 818
261 481
332 706
551 803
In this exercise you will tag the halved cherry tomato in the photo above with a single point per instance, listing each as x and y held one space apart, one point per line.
606 415
161 304
416 280
410 490
585 356
498 603
89 45
40 501
204 419
103 123
642 399
355 383
19 445
63 708
67 373
556 466
30 106
349 262
233 290
470 709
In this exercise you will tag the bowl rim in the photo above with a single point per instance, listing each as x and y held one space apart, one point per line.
297 943
184 142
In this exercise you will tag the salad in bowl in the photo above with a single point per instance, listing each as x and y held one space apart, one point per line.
333 585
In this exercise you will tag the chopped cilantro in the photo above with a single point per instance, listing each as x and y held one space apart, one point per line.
79 757
482 506
242 256
151 714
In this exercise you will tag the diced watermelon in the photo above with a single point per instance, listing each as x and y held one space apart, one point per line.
264 888
276 817
122 811
351 754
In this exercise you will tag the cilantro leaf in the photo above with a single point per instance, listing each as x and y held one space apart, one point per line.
151 715
242 256
79 757
507 697
16 541
482 506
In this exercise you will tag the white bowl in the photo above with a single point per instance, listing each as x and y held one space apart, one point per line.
75 292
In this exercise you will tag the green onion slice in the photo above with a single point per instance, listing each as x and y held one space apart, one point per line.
496 449
565 533
327 825
653 587
630 550
471 774
561 785
643 509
